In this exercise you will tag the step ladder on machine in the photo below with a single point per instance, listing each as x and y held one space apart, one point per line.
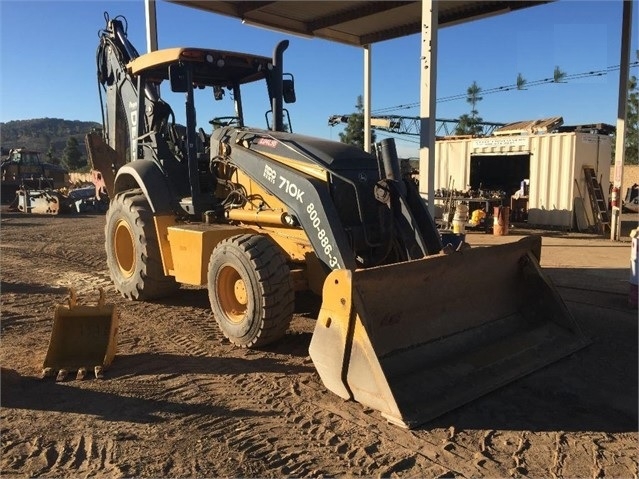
597 200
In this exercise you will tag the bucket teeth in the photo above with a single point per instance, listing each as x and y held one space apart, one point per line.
63 374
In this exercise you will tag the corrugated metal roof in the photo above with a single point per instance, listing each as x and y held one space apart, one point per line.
352 22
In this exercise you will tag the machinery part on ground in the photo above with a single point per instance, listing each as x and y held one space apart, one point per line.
254 214
33 187
250 290
83 338
42 202
133 254
54 202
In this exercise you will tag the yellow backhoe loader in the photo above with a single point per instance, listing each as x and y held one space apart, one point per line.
258 214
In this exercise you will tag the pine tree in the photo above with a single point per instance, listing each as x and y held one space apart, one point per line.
72 158
558 75
470 124
51 158
521 82
353 133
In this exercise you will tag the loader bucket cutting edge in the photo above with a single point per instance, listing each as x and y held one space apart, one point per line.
82 337
417 339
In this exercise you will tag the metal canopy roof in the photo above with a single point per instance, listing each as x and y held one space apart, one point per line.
352 22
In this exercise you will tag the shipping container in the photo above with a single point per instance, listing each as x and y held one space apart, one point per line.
553 163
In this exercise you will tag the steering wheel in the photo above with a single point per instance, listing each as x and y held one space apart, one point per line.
220 121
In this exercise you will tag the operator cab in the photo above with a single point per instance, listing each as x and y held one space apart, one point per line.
189 71
192 69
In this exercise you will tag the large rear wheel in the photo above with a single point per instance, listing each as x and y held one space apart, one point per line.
250 290
133 253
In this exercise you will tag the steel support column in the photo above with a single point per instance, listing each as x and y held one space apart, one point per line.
428 68
624 71
367 97
151 26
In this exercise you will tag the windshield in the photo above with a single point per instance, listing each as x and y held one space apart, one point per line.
213 113
25 157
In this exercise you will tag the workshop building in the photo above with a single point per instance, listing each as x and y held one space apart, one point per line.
541 173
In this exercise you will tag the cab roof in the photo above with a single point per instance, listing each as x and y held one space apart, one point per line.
211 67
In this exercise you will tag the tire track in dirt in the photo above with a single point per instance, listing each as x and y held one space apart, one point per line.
281 395
83 454
520 467
559 456
268 391
440 452
191 404
86 271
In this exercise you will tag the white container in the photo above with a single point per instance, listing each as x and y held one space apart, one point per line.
460 219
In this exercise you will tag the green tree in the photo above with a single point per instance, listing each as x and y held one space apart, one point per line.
470 124
631 153
558 75
521 82
72 158
353 133
51 157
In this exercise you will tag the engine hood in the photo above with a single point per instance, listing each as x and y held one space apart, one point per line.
328 154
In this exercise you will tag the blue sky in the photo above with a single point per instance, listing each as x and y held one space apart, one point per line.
47 63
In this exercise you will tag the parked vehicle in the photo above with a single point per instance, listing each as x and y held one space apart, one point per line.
24 169
407 326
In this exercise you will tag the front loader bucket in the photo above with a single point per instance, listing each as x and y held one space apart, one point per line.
417 339
83 338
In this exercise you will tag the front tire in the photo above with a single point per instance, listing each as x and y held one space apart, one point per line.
133 253
250 290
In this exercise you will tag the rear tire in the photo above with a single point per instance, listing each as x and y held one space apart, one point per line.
250 290
133 253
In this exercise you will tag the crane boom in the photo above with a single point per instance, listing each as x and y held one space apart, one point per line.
410 125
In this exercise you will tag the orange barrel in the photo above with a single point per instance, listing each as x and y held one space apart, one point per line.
501 215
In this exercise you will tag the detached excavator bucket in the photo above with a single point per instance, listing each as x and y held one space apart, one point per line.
417 339
83 338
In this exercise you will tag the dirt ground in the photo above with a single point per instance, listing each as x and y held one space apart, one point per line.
180 401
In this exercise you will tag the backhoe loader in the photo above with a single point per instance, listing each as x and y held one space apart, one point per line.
258 214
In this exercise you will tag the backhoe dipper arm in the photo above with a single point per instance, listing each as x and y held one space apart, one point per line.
122 91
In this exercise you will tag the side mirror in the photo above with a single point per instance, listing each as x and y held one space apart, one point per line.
288 89
178 78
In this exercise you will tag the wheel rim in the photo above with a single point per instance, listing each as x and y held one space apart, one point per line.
232 294
124 248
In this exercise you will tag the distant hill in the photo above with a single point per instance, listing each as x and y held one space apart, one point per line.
41 133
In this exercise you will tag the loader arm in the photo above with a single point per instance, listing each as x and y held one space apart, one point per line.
307 198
